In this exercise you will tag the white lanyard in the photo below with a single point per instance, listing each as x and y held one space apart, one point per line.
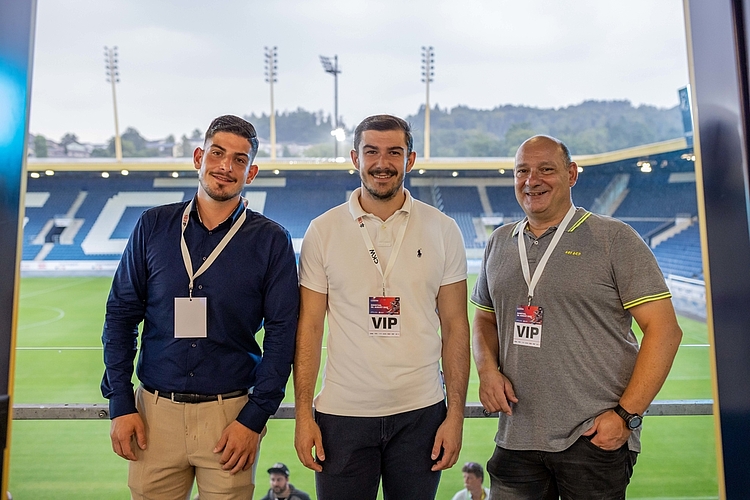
543 262
211 258
371 248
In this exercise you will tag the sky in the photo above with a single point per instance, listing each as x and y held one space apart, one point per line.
184 62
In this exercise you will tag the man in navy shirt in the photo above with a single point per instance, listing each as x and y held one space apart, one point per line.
203 276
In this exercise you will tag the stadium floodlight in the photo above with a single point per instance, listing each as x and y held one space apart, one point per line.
645 166
113 77
339 133
271 58
428 66
332 68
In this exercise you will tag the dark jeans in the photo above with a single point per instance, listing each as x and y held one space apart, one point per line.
583 471
361 450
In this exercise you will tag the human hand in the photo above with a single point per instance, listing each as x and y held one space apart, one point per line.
448 439
121 432
610 431
306 437
238 446
496 392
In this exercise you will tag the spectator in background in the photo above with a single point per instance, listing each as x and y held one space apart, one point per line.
203 276
281 488
473 478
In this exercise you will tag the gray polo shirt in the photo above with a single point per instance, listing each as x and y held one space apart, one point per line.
600 269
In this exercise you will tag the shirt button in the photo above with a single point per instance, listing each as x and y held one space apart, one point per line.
210 232
191 374
383 226
200 287
193 345
204 258
536 242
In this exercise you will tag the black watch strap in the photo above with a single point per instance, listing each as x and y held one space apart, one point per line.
632 420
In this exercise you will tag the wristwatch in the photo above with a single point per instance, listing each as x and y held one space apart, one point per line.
632 420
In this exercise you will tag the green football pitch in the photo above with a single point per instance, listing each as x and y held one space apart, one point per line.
59 360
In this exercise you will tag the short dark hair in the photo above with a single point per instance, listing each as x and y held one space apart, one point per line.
473 468
384 123
237 126
566 152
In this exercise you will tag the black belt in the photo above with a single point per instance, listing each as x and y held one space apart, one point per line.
180 397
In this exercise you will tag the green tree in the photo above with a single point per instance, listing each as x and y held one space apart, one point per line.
197 135
67 139
135 138
516 135
482 144
322 150
187 147
102 153
299 126
40 146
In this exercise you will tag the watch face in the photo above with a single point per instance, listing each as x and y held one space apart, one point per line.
635 422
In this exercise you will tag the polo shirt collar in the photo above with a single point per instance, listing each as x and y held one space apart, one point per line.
356 210
519 226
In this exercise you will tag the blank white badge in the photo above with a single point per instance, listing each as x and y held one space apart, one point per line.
190 317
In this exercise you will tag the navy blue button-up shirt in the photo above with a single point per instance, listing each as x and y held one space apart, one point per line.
251 284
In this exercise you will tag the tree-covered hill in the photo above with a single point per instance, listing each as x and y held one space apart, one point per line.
589 127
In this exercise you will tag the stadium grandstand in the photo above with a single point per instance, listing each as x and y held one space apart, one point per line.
79 213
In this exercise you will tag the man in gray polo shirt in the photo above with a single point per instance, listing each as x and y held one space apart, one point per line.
553 342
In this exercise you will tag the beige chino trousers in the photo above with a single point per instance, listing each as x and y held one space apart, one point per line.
180 440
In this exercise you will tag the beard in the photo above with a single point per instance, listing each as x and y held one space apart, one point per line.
383 195
218 194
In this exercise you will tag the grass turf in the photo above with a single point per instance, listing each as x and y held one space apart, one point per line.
59 359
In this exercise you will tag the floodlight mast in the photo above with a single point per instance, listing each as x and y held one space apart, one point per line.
428 65
113 76
333 69
271 56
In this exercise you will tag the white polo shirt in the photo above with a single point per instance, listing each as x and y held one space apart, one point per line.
371 376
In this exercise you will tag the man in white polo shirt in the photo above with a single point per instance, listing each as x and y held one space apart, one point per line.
390 273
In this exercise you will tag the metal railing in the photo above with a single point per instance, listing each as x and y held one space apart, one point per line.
84 411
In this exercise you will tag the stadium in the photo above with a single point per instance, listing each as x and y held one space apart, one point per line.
67 221
79 215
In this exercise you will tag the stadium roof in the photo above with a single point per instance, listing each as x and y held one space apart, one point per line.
290 164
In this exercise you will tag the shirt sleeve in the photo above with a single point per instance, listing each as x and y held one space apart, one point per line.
311 270
480 296
125 309
630 252
280 311
455 255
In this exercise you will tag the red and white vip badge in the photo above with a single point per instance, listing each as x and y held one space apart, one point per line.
385 317
528 327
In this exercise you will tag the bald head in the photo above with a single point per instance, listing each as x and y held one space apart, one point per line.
540 139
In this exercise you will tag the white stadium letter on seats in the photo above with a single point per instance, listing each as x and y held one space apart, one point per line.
99 239
256 200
